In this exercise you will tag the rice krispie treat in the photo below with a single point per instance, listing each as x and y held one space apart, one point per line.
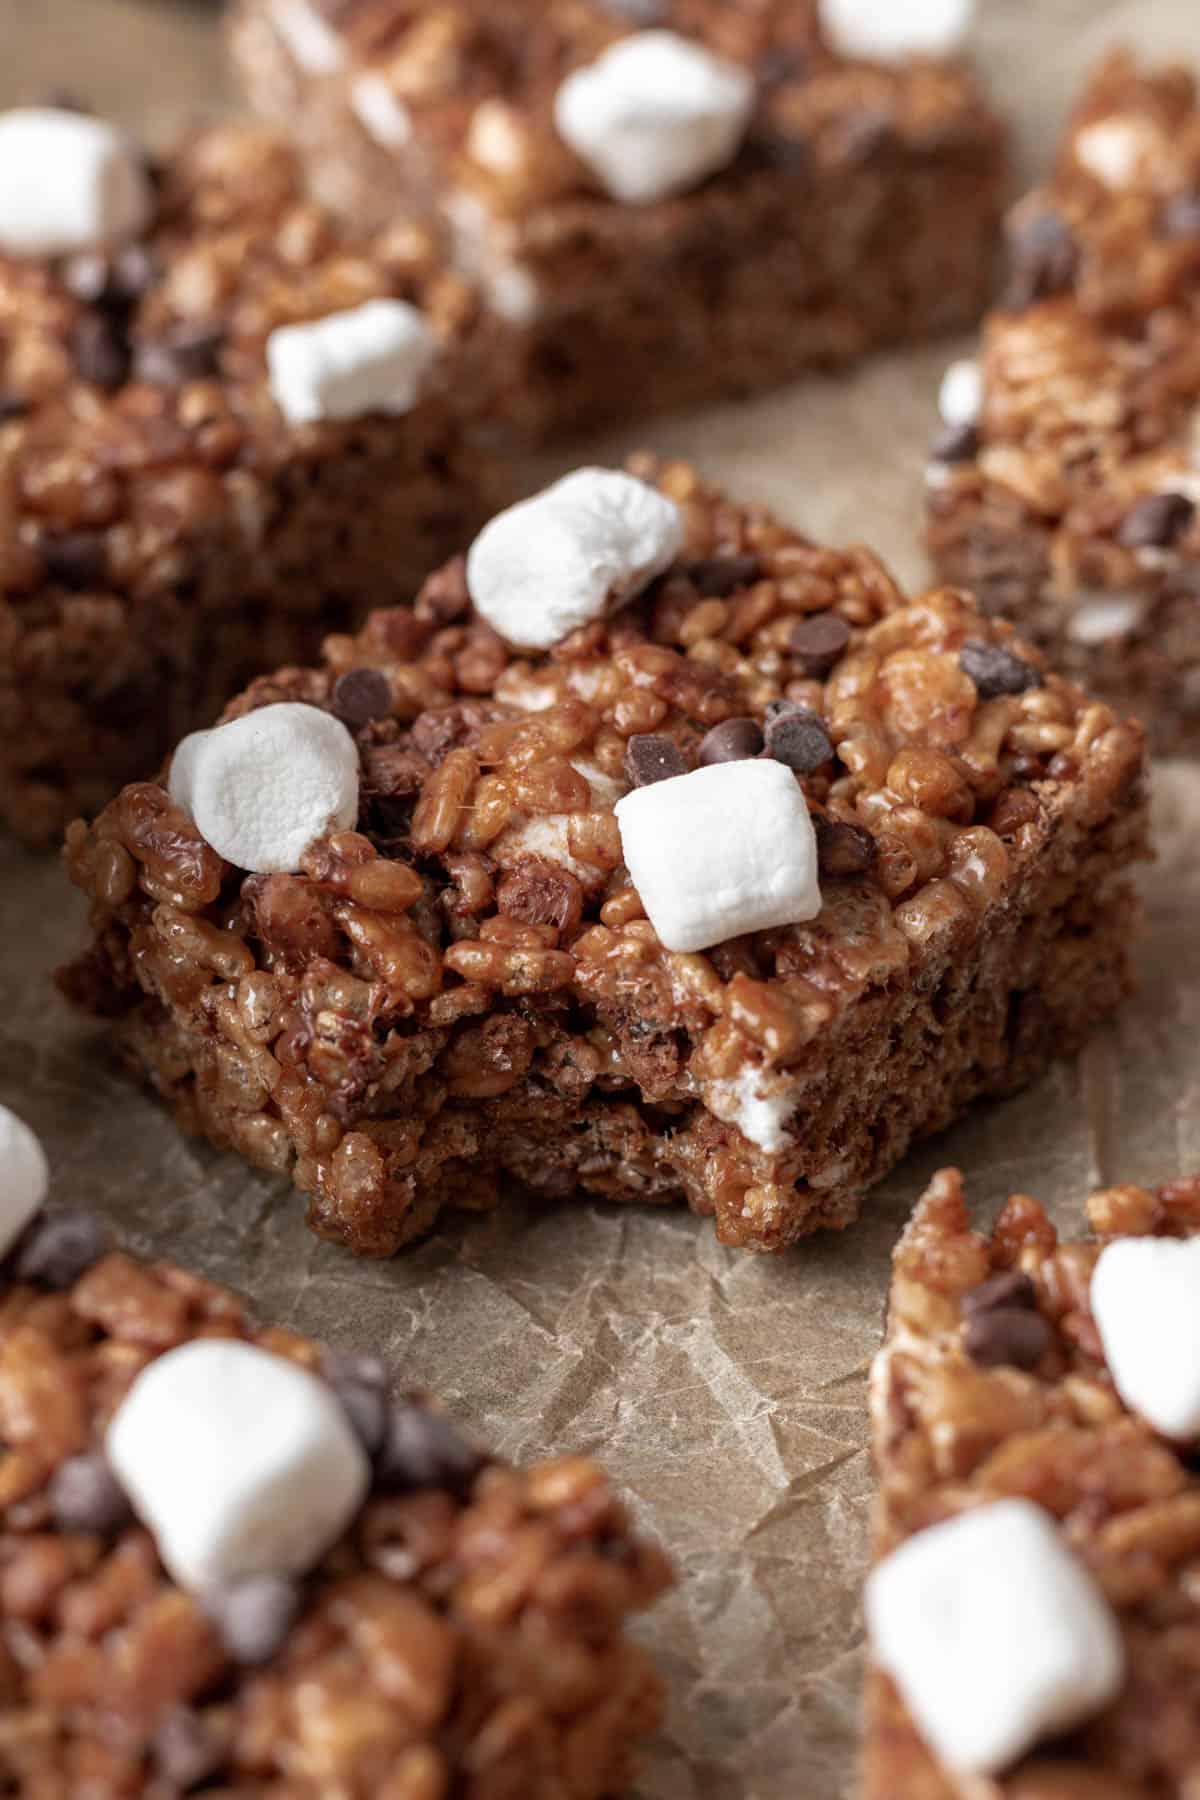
232 1559
668 200
1064 482
659 854
224 425
1033 1609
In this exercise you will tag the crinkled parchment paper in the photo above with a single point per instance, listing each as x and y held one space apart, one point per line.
725 1392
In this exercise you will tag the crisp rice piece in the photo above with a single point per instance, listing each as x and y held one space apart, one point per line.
734 280
993 1386
165 532
1069 503
468 988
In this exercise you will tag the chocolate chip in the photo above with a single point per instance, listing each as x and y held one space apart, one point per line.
423 1449
717 577
1012 1287
1006 1334
366 1407
12 406
74 559
783 63
995 671
843 849
361 695
955 444
818 641
65 100
649 759
1044 259
1156 522
85 1495
253 1618
354 1365
735 740
101 350
186 1750
135 269
59 1247
799 739
185 353
1180 217
113 282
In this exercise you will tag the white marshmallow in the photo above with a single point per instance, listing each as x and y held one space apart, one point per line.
654 115
995 1634
580 549
238 1461
1146 1304
723 850
1105 616
960 397
1112 149
24 1177
371 358
890 30
381 115
261 788
760 1116
311 42
67 183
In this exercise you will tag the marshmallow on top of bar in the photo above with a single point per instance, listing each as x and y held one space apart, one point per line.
995 1634
68 183
1145 1300
24 1177
368 358
890 30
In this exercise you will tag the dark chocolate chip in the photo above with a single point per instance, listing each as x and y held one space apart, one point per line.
354 1365
1156 522
135 269
955 444
59 1247
1180 217
186 353
818 641
253 1617
74 559
1012 1287
995 671
65 100
1006 1334
799 739
649 759
783 63
101 350
366 1407
12 406
114 281
423 1449
719 576
843 849
1044 258
735 740
87 276
186 1750
361 695
85 1495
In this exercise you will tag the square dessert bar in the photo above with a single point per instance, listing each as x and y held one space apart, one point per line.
175 514
755 871
669 202
1035 1412
1064 484
421 1620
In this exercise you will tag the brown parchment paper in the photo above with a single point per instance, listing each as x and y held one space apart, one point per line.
725 1392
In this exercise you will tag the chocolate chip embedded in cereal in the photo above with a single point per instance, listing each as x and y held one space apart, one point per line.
995 670
731 741
818 642
67 182
649 758
654 114
1157 522
580 549
798 738
995 1634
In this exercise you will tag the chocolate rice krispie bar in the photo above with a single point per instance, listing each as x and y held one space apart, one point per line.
1035 1415
754 872
175 515
360 1601
668 200
1064 483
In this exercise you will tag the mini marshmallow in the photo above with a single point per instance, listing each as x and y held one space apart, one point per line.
240 1462
582 548
312 44
261 788
1105 616
24 1177
721 851
382 116
960 397
654 115
890 30
995 1634
1146 1303
68 182
1113 149
370 358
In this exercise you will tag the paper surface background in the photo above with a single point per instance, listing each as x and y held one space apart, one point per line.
725 1392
